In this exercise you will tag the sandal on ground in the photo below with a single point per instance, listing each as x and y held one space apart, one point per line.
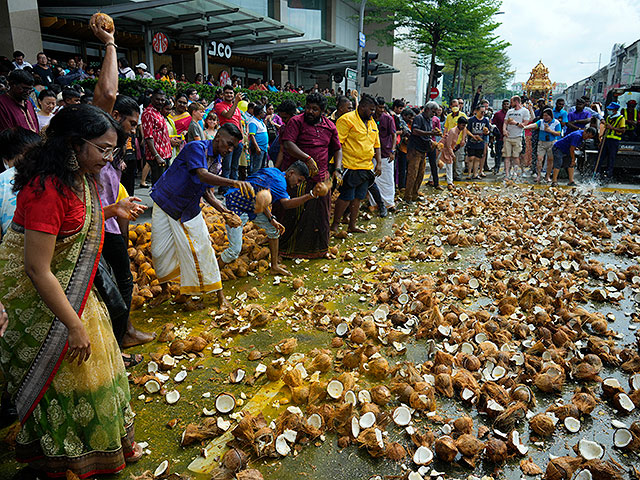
554 184
132 360
144 185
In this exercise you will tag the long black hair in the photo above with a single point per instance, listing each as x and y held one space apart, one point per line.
15 141
66 130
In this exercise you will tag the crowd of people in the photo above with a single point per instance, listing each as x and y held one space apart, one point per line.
70 167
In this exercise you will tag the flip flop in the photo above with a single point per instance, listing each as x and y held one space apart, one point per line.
132 360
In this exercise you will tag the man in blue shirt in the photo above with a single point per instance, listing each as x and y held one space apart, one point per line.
245 206
180 242
564 152
560 114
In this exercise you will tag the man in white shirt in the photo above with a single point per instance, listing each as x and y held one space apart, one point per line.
18 60
514 122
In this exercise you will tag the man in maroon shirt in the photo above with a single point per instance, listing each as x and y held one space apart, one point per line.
16 110
498 121
228 112
312 138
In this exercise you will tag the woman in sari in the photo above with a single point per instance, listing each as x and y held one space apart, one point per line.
61 362
181 118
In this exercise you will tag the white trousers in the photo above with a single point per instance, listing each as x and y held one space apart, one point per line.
386 183
184 250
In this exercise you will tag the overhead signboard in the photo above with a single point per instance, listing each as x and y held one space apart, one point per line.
160 43
219 49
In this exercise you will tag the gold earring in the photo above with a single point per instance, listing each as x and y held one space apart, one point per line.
72 162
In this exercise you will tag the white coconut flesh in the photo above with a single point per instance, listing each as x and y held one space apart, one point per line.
290 435
524 391
515 440
237 375
414 476
152 386
152 367
380 315
625 402
403 299
342 329
498 372
618 424
445 330
335 389
225 402
208 413
282 447
622 437
223 424
572 424
467 348
611 382
162 377
350 397
367 420
590 450
315 421
468 395
172 397
583 475
355 427
422 456
481 337
364 396
494 406
379 438
634 381
180 376
402 416
161 469
168 360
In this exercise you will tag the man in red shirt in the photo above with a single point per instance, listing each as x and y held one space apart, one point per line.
156 135
228 112
498 121
16 110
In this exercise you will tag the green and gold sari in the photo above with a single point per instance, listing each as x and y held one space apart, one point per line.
73 417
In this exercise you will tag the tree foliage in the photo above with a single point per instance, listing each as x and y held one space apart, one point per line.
434 28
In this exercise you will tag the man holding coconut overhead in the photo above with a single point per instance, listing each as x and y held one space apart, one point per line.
270 185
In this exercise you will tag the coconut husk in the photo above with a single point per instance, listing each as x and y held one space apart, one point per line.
317 392
264 443
402 391
249 474
358 336
379 368
166 334
584 400
423 439
292 378
321 362
300 395
528 467
562 468
381 395
287 346
234 460
395 451
549 384
274 371
496 451
603 470
507 420
564 411
469 445
197 433
542 424
463 425
445 448
348 381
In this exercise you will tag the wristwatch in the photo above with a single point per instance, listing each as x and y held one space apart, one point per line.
339 170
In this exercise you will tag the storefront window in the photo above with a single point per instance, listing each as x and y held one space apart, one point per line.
308 16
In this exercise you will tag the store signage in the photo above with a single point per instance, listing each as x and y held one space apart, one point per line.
219 49
160 43
224 79
362 39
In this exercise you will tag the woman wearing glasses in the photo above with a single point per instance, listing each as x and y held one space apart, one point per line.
60 359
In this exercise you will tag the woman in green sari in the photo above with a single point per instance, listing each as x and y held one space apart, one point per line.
61 362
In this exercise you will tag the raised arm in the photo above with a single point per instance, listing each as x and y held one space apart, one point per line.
106 89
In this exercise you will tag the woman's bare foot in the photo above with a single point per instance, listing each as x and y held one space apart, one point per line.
223 303
137 454
160 299
134 337
356 230
280 270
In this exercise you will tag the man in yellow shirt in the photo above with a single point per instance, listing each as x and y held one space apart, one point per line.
451 121
360 141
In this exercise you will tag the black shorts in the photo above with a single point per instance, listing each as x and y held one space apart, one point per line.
355 184
474 151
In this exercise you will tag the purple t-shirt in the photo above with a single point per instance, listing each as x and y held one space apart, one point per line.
179 190
387 132
109 187
577 116
320 141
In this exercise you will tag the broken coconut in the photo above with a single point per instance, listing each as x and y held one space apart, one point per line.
225 403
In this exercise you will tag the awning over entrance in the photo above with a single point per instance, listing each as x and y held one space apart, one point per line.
186 21
314 55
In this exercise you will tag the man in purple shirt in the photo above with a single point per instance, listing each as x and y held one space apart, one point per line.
498 121
313 139
579 118
180 242
388 140
15 108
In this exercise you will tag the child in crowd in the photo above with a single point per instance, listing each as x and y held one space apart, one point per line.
195 132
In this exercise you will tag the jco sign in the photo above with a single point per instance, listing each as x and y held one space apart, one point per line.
219 49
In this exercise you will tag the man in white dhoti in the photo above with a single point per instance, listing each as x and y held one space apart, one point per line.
180 242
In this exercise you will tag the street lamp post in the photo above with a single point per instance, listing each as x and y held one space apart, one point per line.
363 3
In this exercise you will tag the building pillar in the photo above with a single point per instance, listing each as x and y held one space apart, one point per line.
148 49
20 28
269 68
297 76
204 52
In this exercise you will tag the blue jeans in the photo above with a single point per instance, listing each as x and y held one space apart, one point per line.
230 164
234 235
258 160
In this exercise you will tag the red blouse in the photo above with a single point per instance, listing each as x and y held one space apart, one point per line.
49 211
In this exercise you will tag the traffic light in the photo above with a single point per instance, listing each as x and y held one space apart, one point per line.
369 67
437 73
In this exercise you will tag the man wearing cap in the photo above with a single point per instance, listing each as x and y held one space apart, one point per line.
141 72
615 127
630 115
